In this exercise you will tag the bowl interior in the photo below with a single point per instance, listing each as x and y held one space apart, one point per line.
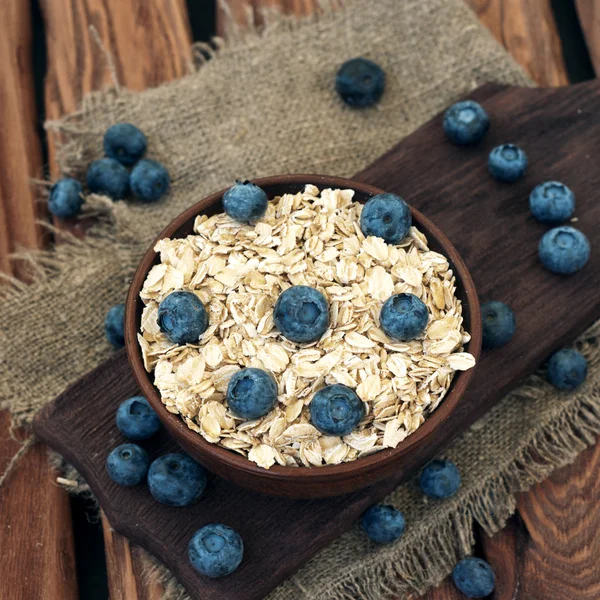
276 186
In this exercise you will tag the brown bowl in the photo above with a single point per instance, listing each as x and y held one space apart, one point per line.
301 482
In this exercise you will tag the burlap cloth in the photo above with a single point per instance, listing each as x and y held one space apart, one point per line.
264 104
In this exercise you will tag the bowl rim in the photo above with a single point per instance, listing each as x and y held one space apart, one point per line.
237 462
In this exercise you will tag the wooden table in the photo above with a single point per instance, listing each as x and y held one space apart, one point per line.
547 551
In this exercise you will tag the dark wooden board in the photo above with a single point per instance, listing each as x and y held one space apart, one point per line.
490 224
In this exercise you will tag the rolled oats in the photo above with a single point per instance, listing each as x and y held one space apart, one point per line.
238 271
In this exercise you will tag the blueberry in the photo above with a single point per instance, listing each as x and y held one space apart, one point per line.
440 479
176 480
507 162
251 393
114 327
551 202
182 317
466 122
216 550
124 142
383 523
403 317
127 464
336 410
564 250
136 419
386 216
498 323
360 82
108 177
567 369
474 577
149 180
66 198
301 314
245 202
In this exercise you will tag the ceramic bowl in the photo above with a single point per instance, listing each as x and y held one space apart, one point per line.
302 482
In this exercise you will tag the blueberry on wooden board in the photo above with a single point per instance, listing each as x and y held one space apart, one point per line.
176 480
552 202
498 324
466 122
216 550
564 250
507 162
127 464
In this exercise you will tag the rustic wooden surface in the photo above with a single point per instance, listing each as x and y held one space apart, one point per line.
432 174
20 151
589 17
36 542
513 22
527 29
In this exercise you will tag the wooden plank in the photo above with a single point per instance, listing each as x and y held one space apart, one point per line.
502 551
20 151
561 517
589 17
36 537
243 11
36 540
432 174
125 569
527 29
149 43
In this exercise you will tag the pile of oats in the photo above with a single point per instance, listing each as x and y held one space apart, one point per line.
238 271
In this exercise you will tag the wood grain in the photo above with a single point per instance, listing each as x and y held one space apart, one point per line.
589 18
36 542
149 43
561 516
20 151
36 537
243 12
527 29
125 569
432 175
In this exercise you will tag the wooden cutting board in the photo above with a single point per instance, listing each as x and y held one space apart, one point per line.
492 228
